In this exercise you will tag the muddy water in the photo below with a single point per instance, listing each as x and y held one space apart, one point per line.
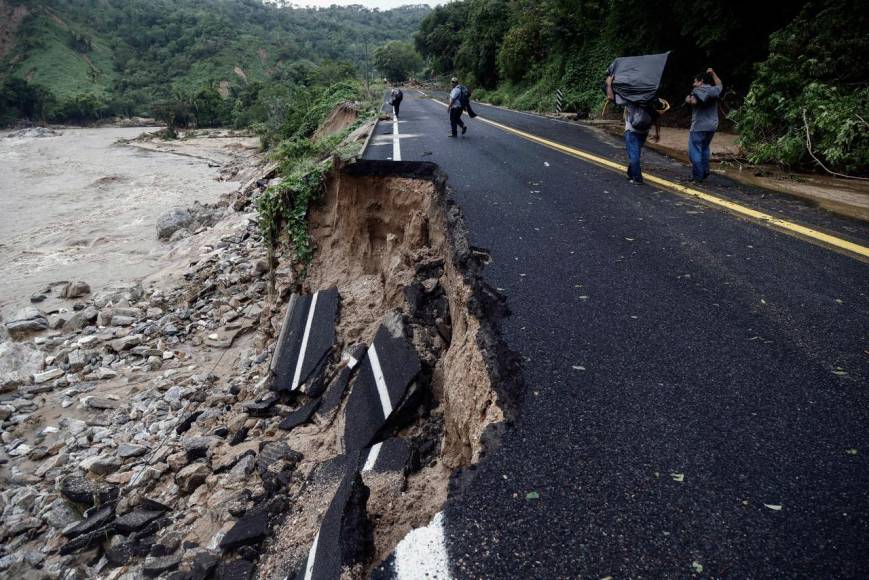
80 206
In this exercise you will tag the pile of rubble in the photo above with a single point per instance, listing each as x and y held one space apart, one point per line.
151 431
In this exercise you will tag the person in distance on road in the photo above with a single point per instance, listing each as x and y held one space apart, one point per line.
395 98
639 119
704 121
456 107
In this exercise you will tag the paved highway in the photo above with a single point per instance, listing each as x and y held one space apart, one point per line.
696 396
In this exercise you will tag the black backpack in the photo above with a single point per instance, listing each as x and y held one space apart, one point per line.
395 96
464 96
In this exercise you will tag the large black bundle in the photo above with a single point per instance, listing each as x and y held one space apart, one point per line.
637 79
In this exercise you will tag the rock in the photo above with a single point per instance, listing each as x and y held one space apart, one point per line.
173 220
76 361
192 476
28 319
6 411
87 540
60 515
75 290
276 451
101 464
199 447
105 373
155 362
119 320
187 422
135 520
128 450
156 566
20 360
118 554
101 403
81 319
126 342
46 376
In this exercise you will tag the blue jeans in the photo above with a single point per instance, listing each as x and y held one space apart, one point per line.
698 152
634 145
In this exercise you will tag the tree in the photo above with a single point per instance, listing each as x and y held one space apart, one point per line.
397 60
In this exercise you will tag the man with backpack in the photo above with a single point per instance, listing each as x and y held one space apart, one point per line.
639 119
395 98
704 121
460 99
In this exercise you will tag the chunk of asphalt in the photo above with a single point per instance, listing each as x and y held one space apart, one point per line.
236 570
300 416
187 422
273 452
393 455
262 408
202 566
83 491
387 371
346 535
307 337
250 529
135 520
335 392
98 519
87 540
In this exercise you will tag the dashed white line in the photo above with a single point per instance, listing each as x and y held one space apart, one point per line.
297 375
380 380
309 567
372 457
396 143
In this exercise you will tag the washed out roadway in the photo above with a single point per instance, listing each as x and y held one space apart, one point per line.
696 398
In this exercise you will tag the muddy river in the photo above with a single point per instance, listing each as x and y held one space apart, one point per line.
81 206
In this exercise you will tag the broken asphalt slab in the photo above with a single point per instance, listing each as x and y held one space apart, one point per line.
387 371
307 336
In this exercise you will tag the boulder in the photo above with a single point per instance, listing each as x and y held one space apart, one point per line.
173 220
81 319
192 476
75 290
28 319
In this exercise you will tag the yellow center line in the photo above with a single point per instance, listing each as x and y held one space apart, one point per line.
778 223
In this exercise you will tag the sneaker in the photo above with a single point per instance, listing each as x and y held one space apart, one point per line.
464 129
452 135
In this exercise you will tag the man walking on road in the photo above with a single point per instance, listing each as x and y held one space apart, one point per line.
704 121
395 98
639 119
456 108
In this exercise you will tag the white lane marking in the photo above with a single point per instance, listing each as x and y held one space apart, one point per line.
423 553
309 567
352 363
380 380
372 457
396 143
305 337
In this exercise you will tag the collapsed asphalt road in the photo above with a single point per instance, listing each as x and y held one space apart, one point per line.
695 397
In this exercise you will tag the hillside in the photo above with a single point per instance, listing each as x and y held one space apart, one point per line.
68 59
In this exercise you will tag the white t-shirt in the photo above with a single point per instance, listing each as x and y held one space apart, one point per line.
456 97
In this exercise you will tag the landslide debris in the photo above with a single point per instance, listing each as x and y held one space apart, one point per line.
142 438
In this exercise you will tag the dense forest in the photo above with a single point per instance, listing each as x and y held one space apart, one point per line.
789 68
219 61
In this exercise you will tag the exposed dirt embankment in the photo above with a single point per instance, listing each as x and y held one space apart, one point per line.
397 251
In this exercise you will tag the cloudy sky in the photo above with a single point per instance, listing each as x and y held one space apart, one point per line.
382 4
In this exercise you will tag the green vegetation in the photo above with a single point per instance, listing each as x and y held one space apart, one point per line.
202 62
397 60
305 162
519 52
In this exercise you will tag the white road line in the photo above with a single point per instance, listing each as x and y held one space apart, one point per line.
423 553
396 144
372 457
305 337
309 567
381 381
